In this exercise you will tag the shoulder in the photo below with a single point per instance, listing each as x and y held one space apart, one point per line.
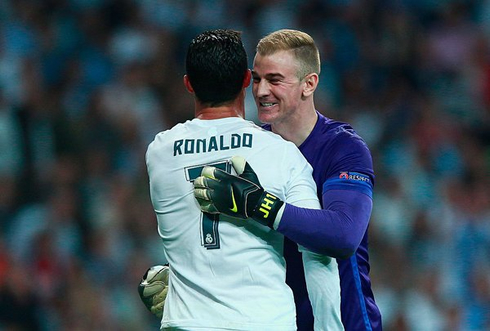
273 148
337 129
344 149
332 139
272 138
165 139
341 136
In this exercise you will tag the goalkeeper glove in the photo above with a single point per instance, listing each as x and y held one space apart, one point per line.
153 289
239 196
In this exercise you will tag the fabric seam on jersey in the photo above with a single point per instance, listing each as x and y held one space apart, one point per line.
357 280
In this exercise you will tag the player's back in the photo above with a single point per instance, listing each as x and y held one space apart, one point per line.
226 274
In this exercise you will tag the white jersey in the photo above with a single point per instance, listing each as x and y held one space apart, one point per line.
227 274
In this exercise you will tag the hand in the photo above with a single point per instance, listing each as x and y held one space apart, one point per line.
153 289
239 196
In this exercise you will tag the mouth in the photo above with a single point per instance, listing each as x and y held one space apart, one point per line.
267 104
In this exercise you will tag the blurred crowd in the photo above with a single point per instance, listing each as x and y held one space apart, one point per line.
86 84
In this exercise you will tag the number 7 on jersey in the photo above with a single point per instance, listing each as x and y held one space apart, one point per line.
209 222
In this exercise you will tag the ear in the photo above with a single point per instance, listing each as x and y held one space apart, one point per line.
247 79
187 84
311 82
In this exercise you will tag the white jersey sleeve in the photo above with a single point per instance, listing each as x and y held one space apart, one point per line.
323 286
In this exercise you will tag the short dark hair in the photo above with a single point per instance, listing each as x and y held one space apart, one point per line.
216 64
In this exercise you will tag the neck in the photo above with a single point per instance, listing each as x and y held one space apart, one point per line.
235 108
297 127
212 113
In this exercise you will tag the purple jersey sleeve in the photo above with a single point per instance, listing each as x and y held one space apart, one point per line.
336 230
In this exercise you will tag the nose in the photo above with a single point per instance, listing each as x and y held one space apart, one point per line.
261 88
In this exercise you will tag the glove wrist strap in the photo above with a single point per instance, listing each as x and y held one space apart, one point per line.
266 209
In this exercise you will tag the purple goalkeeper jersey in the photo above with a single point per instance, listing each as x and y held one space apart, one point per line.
342 167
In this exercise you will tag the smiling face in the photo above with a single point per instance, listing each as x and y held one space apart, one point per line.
277 89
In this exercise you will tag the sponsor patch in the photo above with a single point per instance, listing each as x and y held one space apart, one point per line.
354 176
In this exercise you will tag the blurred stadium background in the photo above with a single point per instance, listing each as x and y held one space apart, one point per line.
86 84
